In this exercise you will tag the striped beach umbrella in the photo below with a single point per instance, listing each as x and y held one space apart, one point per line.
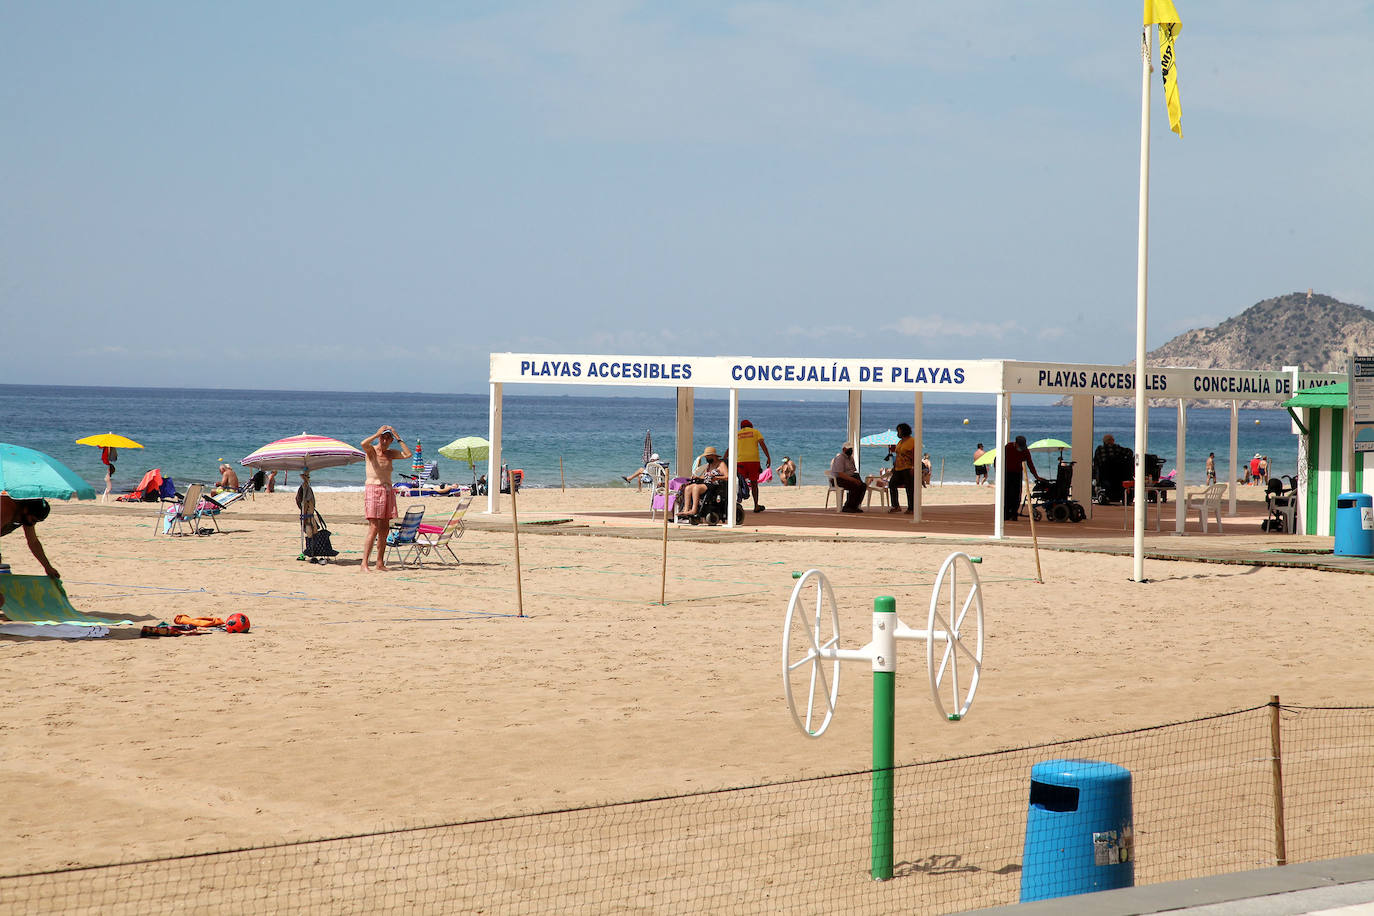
303 453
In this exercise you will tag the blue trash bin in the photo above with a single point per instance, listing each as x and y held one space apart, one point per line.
1079 831
1355 525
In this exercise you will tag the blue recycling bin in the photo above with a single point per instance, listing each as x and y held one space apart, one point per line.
1355 525
1079 832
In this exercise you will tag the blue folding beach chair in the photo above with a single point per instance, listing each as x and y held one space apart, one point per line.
401 539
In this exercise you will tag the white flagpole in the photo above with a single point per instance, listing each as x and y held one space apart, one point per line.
1141 297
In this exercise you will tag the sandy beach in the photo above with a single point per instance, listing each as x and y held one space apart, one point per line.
418 696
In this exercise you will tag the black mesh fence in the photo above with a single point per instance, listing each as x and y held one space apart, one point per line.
1203 793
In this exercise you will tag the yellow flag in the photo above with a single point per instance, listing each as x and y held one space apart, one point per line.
1163 12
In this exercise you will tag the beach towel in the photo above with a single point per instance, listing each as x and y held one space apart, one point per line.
766 476
185 620
38 599
54 630
147 489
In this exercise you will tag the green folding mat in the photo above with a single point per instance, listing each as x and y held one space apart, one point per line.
38 599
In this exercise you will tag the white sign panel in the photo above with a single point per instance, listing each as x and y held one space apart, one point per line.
750 372
1161 382
1362 390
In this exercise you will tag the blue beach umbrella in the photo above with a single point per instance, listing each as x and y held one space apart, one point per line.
29 474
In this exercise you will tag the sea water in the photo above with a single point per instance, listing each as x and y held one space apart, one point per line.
598 440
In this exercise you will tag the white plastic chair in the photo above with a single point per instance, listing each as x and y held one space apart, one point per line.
840 493
1207 502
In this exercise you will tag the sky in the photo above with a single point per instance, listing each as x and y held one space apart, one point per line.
367 196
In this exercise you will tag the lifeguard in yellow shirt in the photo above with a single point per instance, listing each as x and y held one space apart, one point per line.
747 445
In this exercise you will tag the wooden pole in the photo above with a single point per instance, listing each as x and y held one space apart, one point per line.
663 571
515 527
942 472
1035 541
1276 767
561 484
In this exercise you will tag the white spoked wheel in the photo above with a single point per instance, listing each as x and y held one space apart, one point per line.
812 629
954 646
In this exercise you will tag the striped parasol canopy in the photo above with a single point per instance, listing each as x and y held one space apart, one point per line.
303 453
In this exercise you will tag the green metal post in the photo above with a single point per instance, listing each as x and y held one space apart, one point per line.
884 721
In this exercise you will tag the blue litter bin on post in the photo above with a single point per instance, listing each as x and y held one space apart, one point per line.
1079 832
1354 525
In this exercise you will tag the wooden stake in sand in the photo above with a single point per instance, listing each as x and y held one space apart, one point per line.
1035 542
515 528
1276 773
667 507
942 472
561 484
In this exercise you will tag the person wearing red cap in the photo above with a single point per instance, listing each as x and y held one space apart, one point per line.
747 445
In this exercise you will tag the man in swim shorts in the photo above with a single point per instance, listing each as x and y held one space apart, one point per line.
228 480
379 500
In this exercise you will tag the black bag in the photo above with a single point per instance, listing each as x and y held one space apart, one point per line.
318 544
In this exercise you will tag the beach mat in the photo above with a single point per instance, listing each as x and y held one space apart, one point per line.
38 599
54 630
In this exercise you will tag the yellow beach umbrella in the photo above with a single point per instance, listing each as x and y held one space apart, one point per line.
108 440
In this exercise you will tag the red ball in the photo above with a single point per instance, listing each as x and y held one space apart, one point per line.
236 623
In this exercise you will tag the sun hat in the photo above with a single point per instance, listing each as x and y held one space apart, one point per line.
710 452
654 456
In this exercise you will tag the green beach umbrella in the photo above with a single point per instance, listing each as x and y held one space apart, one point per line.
29 474
987 457
1049 444
471 449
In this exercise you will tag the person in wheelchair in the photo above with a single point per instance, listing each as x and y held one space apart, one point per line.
707 490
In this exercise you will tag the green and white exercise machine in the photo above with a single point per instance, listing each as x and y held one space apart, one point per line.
811 657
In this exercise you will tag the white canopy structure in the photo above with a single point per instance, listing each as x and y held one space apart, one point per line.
1002 378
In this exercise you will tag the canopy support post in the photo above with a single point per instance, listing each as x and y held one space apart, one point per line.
494 451
999 465
917 470
732 444
686 428
1081 452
